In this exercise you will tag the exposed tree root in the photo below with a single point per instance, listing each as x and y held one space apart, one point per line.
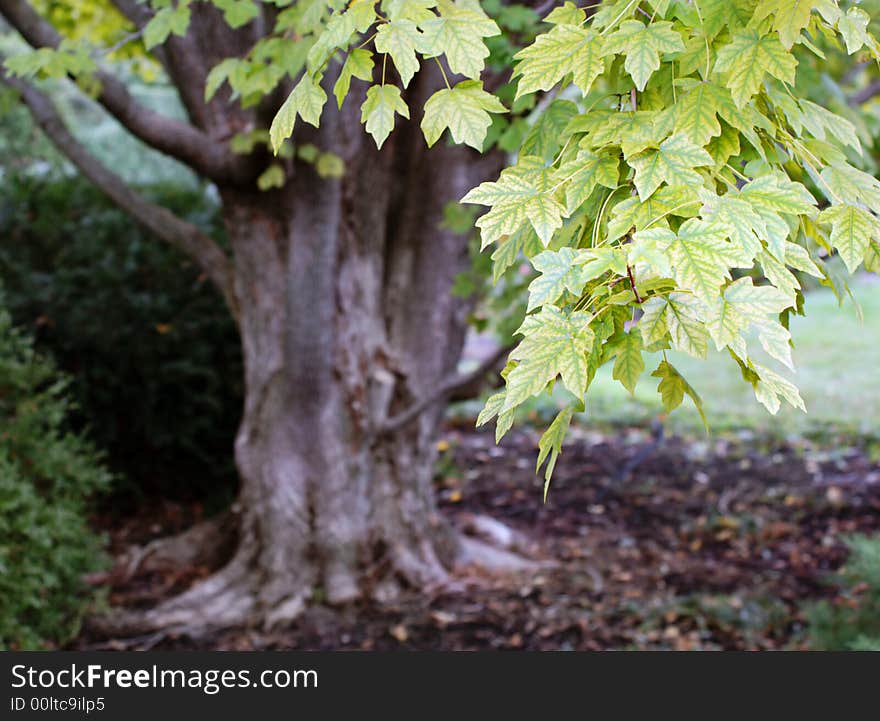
207 543
236 596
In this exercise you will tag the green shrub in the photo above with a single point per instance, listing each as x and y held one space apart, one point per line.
47 475
852 621
153 352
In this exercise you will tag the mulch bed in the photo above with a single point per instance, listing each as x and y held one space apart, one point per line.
711 543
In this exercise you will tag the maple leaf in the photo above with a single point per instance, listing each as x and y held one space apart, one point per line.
464 109
789 17
458 33
558 273
748 58
852 230
672 162
584 173
555 344
306 101
642 45
564 50
701 257
521 194
378 110
399 39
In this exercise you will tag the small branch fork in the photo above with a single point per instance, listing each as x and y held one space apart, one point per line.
447 388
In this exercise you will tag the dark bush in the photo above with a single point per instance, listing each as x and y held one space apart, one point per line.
47 476
151 348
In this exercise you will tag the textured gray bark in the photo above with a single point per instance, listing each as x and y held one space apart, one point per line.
341 289
346 319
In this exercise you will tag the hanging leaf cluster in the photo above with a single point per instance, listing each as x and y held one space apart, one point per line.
680 187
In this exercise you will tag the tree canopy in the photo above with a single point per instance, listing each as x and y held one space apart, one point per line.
672 176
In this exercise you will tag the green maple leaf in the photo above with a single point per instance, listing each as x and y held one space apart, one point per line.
745 226
558 273
673 162
495 407
522 194
306 100
458 33
564 50
686 323
358 64
337 34
820 121
567 14
629 362
779 194
778 274
543 140
237 13
524 241
642 45
584 173
417 11
633 213
852 185
696 113
673 388
464 109
789 17
378 110
852 230
854 28
748 58
399 39
771 387
743 304
652 324
550 445
167 21
701 257
716 15
555 344
651 247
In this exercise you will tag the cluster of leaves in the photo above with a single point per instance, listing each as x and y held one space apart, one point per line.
677 184
401 32
91 30
852 621
46 478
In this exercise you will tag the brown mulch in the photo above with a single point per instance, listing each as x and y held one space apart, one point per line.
684 544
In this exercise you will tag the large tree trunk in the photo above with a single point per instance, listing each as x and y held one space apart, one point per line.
346 319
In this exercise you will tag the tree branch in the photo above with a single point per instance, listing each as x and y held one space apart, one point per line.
160 221
865 94
180 140
446 389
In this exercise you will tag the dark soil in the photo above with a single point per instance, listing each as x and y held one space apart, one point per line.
684 544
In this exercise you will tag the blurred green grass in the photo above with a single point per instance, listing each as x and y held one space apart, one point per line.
837 369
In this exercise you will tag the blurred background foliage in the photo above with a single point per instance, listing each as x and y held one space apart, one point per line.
149 344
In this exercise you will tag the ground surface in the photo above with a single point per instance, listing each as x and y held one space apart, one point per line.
684 544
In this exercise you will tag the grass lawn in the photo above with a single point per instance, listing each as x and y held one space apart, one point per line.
837 361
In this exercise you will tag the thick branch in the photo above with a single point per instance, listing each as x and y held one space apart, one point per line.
160 221
178 139
446 389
